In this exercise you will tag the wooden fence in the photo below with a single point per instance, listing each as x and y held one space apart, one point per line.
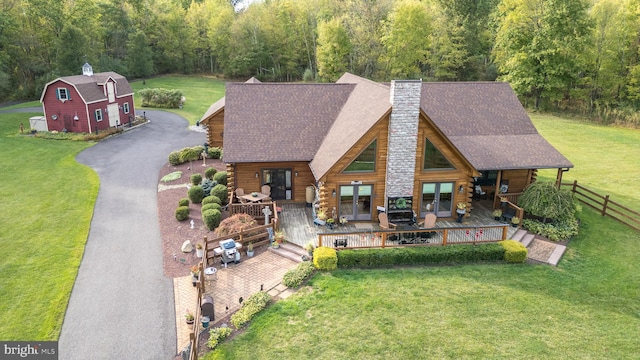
255 210
259 235
411 237
194 334
605 206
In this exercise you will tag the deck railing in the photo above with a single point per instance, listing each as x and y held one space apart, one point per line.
256 210
257 235
604 205
413 237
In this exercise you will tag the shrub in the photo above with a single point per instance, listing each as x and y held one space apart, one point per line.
215 153
196 179
212 199
514 251
235 223
172 176
182 213
211 206
174 158
210 172
250 307
419 255
220 191
325 258
161 98
545 200
295 277
220 177
557 231
207 185
217 335
196 194
189 154
211 218
183 202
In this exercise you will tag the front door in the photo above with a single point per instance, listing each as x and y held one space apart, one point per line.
280 182
355 202
437 198
114 115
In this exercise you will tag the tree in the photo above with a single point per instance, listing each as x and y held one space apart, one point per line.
139 56
538 46
334 48
405 39
72 46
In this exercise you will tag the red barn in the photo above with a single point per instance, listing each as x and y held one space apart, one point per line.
87 102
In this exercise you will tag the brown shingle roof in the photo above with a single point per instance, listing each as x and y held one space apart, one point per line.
367 104
489 126
279 122
218 106
89 89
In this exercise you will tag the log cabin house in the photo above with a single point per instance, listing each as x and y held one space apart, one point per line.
368 146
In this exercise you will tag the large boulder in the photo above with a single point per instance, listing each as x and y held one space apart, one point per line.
187 247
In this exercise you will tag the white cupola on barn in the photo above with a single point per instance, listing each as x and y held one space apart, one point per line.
87 69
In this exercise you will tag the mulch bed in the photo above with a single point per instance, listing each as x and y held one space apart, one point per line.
174 232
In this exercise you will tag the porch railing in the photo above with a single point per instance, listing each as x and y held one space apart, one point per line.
257 235
255 210
414 237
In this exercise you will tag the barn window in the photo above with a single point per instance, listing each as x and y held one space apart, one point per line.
125 107
62 94
98 115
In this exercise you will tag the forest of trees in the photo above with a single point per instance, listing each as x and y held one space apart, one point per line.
575 55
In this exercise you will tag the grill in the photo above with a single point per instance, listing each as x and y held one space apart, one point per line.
399 210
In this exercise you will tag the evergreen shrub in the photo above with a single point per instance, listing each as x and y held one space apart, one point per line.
215 153
220 191
174 158
211 218
325 258
210 172
183 202
250 307
514 251
211 206
182 213
196 179
211 199
196 194
295 277
217 335
220 177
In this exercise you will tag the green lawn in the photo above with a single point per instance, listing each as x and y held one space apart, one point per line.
47 204
586 308
200 93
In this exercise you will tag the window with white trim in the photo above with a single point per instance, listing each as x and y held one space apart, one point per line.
98 115
125 107
63 94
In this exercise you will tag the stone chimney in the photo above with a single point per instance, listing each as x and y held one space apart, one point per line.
403 138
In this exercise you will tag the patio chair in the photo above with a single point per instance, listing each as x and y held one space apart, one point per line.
429 222
384 222
266 189
479 193
240 194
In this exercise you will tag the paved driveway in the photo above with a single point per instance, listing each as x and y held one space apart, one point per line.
122 306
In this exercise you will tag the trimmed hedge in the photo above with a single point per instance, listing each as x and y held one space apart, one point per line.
174 158
451 254
220 177
196 179
217 335
212 199
209 206
215 153
514 251
325 258
211 218
183 202
210 172
182 213
250 307
295 277
220 191
196 194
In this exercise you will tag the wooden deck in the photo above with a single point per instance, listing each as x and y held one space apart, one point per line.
297 223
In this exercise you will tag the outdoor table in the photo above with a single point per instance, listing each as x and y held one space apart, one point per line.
258 198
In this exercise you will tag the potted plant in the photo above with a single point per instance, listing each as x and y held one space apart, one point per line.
195 274
515 221
343 220
189 317
250 251
330 223
199 250
310 247
321 214
497 213
279 237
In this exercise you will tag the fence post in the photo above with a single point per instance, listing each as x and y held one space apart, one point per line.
383 237
319 240
445 233
604 206
575 185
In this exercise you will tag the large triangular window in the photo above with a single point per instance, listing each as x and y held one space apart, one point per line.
366 161
433 158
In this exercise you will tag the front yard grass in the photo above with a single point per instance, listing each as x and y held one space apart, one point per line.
47 204
586 308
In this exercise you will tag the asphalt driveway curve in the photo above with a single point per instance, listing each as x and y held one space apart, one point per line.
122 306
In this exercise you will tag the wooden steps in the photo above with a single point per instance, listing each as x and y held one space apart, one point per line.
290 251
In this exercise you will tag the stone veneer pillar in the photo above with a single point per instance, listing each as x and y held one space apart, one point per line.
403 138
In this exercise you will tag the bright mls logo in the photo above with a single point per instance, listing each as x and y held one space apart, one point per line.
43 350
